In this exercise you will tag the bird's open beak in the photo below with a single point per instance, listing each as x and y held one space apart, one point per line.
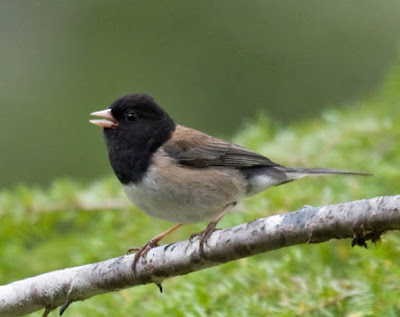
108 123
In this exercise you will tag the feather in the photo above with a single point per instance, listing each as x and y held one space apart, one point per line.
193 148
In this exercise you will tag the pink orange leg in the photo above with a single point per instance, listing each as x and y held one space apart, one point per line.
206 233
151 244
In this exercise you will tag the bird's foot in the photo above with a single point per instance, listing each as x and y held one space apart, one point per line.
198 234
150 245
142 252
204 236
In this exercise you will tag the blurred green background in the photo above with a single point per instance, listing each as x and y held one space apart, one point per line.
212 64
313 83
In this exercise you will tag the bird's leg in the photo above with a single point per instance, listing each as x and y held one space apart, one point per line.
206 233
151 244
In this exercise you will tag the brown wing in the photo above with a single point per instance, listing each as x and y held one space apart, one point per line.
193 148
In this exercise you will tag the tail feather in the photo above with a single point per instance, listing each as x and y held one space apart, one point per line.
298 172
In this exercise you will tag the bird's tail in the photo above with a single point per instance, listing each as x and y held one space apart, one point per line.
298 172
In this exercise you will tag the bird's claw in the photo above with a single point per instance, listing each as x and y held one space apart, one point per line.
141 252
204 236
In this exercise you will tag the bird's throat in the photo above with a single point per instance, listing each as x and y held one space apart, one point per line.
130 152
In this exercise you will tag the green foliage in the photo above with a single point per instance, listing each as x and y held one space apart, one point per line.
72 224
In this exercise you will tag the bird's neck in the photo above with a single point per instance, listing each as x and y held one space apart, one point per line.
131 156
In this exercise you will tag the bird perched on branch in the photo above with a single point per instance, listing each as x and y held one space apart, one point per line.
180 174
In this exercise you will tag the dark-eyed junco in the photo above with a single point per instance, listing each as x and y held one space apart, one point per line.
180 174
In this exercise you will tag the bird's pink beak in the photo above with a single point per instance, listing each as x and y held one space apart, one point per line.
108 123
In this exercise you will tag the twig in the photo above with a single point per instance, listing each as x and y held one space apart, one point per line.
79 205
361 220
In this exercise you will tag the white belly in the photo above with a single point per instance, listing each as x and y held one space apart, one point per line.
187 196
164 206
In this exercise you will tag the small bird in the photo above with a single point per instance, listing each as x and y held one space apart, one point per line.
180 174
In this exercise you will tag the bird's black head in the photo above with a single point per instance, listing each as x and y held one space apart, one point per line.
135 126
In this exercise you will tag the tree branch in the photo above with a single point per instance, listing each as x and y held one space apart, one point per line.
361 220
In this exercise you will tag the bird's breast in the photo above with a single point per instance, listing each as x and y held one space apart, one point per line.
180 194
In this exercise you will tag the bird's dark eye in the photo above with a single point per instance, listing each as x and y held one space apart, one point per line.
131 116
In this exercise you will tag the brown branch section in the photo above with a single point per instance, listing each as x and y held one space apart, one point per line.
361 220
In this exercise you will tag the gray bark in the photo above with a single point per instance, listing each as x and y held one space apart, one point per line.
361 220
